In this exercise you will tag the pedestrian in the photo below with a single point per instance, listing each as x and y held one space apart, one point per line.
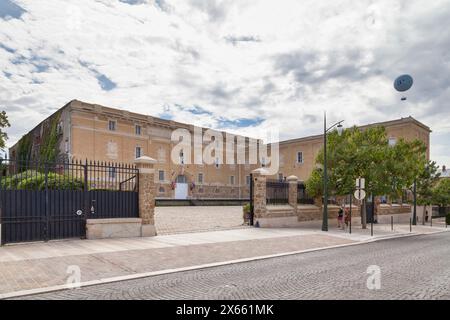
341 218
426 216
347 216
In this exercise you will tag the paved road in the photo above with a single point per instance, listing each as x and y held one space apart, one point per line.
411 268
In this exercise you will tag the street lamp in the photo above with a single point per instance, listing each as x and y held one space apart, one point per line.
340 128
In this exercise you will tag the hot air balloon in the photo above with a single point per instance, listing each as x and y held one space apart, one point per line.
403 83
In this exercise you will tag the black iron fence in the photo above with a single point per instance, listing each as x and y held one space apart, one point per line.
302 195
44 201
277 192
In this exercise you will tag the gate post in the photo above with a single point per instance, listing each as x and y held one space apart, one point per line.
259 193
293 189
147 193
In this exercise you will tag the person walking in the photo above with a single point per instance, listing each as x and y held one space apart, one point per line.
347 216
341 218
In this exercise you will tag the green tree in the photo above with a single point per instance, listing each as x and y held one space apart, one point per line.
425 182
4 123
387 170
441 193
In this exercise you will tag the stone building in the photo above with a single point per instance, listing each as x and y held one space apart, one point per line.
88 131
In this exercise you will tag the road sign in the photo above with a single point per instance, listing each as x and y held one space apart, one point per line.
360 194
360 182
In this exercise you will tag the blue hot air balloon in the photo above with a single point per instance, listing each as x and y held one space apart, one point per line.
403 83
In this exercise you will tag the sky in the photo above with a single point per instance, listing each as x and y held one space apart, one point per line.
245 66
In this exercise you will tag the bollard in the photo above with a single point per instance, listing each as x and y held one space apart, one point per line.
371 228
431 222
410 224
392 223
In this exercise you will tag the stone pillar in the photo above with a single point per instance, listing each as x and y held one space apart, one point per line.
259 193
147 192
292 196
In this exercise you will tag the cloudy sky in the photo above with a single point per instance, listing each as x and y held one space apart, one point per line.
244 66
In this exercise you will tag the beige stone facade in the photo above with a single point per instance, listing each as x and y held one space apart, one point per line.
90 131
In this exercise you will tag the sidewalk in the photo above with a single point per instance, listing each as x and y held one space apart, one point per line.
26 267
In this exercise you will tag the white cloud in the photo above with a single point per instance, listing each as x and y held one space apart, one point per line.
283 62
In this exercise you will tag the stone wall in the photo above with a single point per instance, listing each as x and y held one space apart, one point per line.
147 194
204 191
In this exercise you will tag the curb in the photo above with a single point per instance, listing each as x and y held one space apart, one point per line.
22 293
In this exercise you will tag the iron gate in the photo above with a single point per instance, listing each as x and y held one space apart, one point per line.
45 201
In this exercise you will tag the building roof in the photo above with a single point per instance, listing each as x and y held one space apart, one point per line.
80 105
384 123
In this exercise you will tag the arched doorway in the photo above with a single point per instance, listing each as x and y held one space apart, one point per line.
181 187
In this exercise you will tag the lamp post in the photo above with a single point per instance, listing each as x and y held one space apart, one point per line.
339 127
414 221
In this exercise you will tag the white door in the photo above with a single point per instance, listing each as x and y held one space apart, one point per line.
181 190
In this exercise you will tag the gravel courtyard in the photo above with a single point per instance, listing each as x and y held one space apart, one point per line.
170 220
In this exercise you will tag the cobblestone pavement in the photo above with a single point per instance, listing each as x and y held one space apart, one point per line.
171 220
21 270
415 267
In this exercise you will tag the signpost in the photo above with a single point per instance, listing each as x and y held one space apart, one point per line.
360 194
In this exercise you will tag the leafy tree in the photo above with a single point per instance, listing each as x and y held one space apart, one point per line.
441 193
425 182
387 170
4 123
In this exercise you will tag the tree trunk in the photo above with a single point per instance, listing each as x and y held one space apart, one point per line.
363 214
423 214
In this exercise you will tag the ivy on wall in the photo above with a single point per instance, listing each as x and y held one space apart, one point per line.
24 148
48 150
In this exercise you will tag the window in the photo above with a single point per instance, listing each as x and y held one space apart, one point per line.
232 180
300 157
161 175
200 178
137 130
161 155
181 157
138 152
392 141
112 173
161 190
217 163
112 125
281 160
247 180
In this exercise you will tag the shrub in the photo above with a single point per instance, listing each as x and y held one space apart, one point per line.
54 182
246 207
59 182
13 181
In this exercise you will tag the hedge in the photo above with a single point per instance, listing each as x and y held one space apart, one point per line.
36 181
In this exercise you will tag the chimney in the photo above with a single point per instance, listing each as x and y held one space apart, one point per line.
444 168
